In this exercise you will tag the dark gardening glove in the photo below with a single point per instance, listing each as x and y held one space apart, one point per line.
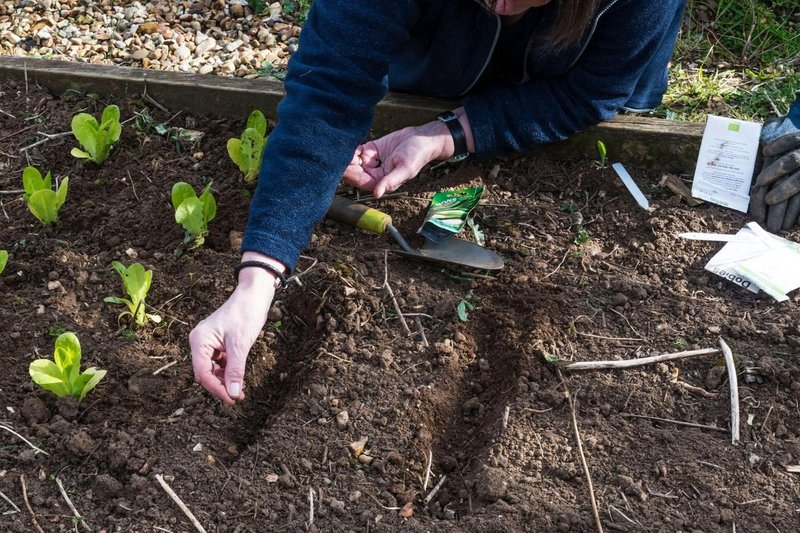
775 197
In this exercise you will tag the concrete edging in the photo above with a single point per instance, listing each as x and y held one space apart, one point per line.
639 141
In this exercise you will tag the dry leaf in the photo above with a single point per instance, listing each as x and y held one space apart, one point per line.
407 510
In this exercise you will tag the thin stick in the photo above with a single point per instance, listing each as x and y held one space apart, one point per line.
12 504
585 465
435 489
733 383
75 512
630 363
180 503
425 343
6 113
391 295
28 504
506 413
12 192
677 422
155 373
310 506
36 449
47 138
428 470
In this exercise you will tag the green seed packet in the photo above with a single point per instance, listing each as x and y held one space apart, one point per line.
448 212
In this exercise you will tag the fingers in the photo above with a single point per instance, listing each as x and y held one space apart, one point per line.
782 144
355 176
234 368
784 189
775 217
393 180
758 208
792 213
204 344
781 167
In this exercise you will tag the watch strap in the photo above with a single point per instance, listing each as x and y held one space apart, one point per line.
460 151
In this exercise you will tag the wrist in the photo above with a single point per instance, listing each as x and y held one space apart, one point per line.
460 143
257 277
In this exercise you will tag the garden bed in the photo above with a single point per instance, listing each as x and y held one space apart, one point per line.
623 287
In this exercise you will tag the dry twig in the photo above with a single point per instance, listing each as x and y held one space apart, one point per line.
677 422
180 503
29 443
733 383
585 465
630 363
47 138
391 294
435 490
310 506
156 372
80 518
28 504
428 470
12 504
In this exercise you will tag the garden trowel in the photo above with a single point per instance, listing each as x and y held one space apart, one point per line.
451 252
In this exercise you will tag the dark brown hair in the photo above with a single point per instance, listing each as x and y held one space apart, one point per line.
572 19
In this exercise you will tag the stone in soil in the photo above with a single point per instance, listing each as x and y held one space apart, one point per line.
80 444
34 410
491 485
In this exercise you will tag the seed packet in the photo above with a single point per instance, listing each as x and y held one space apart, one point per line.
448 212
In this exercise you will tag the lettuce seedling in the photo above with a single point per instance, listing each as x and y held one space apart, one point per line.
63 376
137 282
3 260
193 212
42 200
247 151
96 139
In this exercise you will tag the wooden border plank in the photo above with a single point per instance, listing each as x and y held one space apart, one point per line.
634 140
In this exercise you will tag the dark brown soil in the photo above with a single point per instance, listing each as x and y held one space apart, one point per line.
335 343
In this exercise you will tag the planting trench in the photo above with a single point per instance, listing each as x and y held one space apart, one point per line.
334 343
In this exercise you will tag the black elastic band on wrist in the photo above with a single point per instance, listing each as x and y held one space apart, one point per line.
280 279
460 151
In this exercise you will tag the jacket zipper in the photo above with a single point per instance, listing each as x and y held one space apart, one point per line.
591 32
491 50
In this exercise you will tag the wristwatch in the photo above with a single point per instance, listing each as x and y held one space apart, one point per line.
459 137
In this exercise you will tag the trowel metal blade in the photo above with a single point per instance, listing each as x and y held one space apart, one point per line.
457 252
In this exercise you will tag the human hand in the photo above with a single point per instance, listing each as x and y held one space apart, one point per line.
384 164
776 194
220 343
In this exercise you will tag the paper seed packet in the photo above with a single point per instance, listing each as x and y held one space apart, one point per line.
448 213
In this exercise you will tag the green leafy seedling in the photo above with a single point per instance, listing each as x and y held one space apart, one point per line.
96 139
246 151
3 260
137 282
42 200
602 153
193 213
582 237
465 306
63 375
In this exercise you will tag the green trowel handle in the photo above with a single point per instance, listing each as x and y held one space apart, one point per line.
359 216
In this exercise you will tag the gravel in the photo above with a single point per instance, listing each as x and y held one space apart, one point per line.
220 37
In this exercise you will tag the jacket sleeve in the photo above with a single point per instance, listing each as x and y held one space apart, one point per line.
333 83
519 117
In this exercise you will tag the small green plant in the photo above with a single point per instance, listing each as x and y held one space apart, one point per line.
582 237
465 306
3 260
679 343
602 153
193 212
96 139
56 331
63 375
246 152
42 200
137 282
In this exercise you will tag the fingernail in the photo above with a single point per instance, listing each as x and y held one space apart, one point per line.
234 389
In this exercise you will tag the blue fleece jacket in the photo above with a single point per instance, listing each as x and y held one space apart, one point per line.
515 96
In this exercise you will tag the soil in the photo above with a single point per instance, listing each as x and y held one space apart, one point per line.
478 396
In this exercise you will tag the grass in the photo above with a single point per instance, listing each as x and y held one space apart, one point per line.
738 58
